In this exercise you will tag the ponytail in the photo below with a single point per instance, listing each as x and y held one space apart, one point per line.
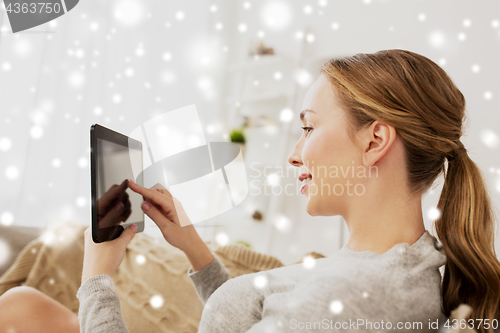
466 231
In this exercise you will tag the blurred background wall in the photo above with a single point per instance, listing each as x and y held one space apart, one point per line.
242 63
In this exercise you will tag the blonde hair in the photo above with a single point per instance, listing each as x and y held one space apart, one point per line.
414 95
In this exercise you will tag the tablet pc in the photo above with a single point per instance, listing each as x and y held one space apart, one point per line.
113 157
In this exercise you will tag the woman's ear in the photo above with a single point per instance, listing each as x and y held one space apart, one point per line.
378 138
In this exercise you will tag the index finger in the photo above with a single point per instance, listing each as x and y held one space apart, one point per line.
153 195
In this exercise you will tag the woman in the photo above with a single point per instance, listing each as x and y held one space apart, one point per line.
395 117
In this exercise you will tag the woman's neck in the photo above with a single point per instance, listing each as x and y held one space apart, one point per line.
387 219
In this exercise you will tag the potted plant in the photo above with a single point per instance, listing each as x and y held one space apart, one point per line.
237 136
244 243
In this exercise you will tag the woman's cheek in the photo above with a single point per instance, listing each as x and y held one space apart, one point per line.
311 153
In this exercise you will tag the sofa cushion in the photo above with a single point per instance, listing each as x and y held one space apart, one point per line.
15 239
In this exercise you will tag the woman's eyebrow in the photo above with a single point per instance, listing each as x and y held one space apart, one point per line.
303 112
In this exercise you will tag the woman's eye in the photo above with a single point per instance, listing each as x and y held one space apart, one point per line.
307 129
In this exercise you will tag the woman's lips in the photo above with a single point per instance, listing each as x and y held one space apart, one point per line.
308 179
303 176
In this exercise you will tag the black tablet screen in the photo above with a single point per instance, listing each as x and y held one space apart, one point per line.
116 205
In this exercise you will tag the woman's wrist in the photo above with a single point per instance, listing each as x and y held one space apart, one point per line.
88 275
199 255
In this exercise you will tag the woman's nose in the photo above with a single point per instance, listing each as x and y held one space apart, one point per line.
294 158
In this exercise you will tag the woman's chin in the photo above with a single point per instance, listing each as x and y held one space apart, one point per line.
317 206
310 208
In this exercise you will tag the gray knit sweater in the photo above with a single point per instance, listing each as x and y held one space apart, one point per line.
348 291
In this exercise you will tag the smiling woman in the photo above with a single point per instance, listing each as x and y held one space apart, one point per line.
395 111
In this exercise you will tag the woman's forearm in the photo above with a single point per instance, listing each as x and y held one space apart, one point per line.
199 255
100 309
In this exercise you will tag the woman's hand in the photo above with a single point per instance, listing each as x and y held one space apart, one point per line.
104 258
167 212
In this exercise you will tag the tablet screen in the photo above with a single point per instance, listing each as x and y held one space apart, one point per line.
115 205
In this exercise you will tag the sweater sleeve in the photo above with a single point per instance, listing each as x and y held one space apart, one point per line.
100 309
209 278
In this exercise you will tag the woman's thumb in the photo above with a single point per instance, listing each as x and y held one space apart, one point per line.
128 233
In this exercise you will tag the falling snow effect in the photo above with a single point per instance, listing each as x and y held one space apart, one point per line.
81 202
5 144
48 237
97 110
276 15
12 172
242 27
434 214
128 13
83 162
437 39
6 66
283 224
222 239
303 77
7 219
56 163
167 56
336 307
140 259
36 132
310 38
180 15
260 281
156 301
273 179
489 138
286 115
94 26
122 37
309 262
117 98
22 47
76 79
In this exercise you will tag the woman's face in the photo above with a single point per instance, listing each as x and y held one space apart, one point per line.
325 154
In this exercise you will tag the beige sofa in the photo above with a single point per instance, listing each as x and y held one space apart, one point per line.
53 265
